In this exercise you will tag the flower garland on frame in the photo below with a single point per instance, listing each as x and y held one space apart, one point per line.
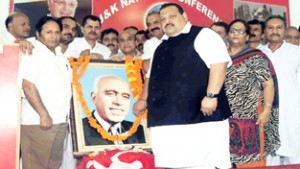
134 76
79 67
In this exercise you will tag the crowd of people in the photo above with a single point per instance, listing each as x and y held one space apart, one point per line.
231 89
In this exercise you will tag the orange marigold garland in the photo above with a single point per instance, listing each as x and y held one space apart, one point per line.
82 63
134 76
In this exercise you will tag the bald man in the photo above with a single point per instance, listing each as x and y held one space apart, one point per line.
111 97
292 35
17 26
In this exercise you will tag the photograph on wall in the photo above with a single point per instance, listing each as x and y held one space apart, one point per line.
249 10
103 117
35 9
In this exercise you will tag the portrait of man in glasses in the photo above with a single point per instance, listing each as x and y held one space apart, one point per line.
60 8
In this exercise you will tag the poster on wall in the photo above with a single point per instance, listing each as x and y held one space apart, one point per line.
119 14
260 11
35 9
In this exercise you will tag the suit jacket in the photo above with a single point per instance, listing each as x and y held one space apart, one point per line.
92 137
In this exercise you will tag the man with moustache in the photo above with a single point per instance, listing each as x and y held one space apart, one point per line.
68 33
109 38
156 33
46 84
292 35
127 43
88 44
141 37
18 28
256 33
185 95
285 58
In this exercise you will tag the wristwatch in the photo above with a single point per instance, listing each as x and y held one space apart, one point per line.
211 95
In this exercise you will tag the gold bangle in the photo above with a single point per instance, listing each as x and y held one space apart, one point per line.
268 104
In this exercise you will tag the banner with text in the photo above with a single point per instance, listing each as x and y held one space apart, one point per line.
122 13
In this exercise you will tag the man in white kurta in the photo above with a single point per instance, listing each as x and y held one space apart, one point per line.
45 80
88 44
286 60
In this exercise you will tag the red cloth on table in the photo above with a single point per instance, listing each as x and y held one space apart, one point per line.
118 159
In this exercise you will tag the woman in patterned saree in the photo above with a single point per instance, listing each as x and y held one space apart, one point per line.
251 91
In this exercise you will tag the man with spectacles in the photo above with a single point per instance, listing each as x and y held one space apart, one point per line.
59 8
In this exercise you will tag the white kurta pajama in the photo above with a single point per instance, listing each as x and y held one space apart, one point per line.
286 61
200 145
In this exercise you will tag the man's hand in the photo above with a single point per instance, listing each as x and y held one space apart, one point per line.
85 52
208 105
116 58
45 122
25 46
96 56
139 107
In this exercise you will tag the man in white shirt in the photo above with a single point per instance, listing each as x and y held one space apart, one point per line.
286 60
46 82
88 44
156 33
127 44
109 38
18 28
68 34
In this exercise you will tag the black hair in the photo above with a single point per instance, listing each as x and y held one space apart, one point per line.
142 32
257 22
91 17
8 20
60 19
180 9
222 24
43 20
108 31
276 17
130 27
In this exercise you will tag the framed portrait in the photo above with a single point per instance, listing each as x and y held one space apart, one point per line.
260 11
102 117
56 8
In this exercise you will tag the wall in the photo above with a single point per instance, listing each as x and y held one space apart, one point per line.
294 12
4 8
